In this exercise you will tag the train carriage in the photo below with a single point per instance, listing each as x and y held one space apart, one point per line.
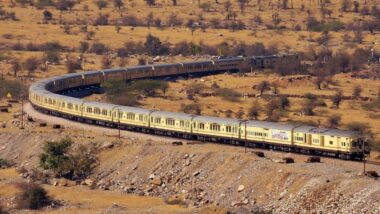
162 70
132 116
197 67
141 71
100 113
171 121
215 126
263 131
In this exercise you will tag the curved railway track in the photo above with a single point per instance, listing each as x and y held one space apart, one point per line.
45 96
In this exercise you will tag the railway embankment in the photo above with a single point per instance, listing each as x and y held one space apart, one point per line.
203 175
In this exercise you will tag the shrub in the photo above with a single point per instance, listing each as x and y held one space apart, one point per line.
228 94
101 4
102 19
73 64
33 196
333 121
64 162
254 110
98 48
4 164
51 56
193 108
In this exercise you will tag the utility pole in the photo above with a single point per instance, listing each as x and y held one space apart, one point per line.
22 113
363 149
118 126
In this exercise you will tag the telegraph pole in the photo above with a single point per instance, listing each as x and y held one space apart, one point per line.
118 125
22 113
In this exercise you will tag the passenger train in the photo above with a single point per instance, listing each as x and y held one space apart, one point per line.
45 96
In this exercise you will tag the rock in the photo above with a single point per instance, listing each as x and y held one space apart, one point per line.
157 181
152 176
88 182
108 145
196 173
241 188
185 156
188 162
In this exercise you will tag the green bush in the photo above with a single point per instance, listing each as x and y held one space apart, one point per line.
58 157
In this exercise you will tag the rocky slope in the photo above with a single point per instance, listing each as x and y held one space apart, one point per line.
205 175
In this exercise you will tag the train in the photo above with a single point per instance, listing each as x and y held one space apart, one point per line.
46 96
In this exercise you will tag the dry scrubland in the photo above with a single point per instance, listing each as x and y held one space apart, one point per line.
128 166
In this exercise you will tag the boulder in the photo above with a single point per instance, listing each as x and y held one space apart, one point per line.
157 181
240 188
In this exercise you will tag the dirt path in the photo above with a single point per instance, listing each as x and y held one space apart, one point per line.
87 127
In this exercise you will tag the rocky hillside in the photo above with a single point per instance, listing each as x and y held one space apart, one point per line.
204 175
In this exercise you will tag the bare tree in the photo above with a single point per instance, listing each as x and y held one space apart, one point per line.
254 110
31 64
16 67
357 91
263 86
333 121
337 99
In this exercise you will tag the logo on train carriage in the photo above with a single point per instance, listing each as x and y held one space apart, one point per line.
280 135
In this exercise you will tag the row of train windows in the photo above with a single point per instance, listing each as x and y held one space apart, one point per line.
299 138
170 122
257 134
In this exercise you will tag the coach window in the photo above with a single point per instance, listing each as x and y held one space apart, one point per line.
170 121
63 104
315 140
141 117
157 120
228 129
130 116
70 106
201 126
104 112
89 110
97 110
331 143
181 123
215 127
187 124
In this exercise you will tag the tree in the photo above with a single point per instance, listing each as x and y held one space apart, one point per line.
73 64
276 19
284 103
345 5
333 121
174 2
227 6
239 114
242 4
271 110
64 162
47 15
55 157
31 64
154 46
337 99
84 46
118 4
254 110
357 91
101 4
308 107
149 19
150 2
263 86
16 67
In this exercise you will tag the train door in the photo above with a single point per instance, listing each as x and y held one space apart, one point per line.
308 139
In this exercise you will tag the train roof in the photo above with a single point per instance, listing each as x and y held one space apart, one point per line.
324 131
176 115
198 62
166 65
219 120
270 125
135 110
99 105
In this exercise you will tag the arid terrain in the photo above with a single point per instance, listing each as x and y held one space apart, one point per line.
337 41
